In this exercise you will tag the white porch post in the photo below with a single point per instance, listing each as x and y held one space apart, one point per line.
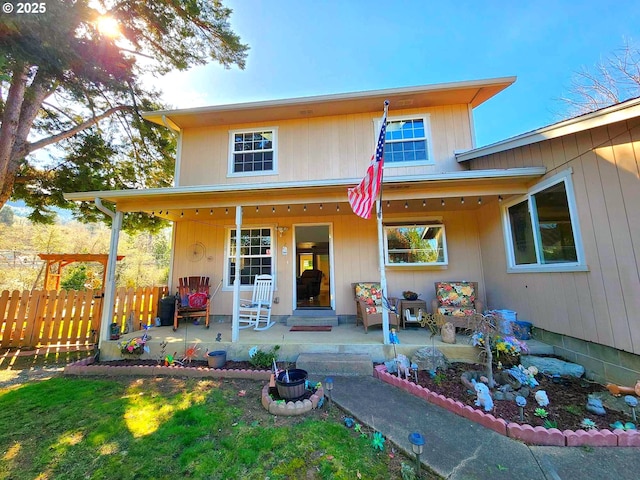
235 321
383 275
110 279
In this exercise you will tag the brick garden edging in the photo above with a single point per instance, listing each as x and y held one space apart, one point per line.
523 432
86 367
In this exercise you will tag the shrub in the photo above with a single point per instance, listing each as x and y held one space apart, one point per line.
261 359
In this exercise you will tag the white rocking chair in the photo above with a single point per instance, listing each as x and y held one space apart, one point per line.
257 311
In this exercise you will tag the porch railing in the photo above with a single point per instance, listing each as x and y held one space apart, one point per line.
38 318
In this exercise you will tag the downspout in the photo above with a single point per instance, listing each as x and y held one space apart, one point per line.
110 283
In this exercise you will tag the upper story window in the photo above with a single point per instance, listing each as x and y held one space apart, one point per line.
415 245
253 152
541 228
408 141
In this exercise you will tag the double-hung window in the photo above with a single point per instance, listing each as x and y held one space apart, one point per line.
256 255
253 152
408 142
421 244
541 229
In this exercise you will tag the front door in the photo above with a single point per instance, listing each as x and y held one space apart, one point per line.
313 267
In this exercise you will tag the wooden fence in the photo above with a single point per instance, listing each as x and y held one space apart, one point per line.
32 319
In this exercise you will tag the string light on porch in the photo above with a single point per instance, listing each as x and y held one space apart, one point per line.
320 206
197 212
462 200
153 214
479 200
273 209
226 211
304 208
211 212
181 214
337 208
424 203
442 202
288 208
500 198
388 203
406 204
257 209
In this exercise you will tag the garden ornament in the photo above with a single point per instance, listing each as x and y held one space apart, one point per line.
404 368
484 397
521 402
622 426
619 390
542 398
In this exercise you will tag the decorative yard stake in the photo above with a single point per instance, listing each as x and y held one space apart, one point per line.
633 403
521 402
417 446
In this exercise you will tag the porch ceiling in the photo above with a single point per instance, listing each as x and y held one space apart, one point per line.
473 93
321 198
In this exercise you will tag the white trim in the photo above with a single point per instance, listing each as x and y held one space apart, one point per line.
227 252
580 264
232 152
616 113
113 195
294 262
176 170
400 223
428 138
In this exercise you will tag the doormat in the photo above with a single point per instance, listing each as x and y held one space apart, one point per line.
310 328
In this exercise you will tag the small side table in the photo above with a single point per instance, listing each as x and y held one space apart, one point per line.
413 305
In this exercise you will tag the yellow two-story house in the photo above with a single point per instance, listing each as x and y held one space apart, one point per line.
510 216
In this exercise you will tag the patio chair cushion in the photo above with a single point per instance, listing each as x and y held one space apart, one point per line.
457 295
371 294
456 311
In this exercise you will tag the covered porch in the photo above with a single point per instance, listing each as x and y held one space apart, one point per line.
204 217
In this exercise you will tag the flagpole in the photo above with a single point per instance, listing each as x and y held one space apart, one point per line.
383 275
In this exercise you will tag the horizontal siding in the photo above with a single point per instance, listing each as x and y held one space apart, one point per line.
321 148
600 305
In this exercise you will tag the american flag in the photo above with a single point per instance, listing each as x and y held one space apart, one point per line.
361 198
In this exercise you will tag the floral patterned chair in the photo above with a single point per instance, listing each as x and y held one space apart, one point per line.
368 296
457 302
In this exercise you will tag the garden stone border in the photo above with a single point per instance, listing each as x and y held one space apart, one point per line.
86 367
523 432
290 409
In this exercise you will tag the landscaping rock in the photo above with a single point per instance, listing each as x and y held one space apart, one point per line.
594 405
552 366
448 333
429 359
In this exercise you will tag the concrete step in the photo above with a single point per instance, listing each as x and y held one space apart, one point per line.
343 364
537 347
298 320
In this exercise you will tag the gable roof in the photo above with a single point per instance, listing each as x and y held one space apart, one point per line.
604 116
473 93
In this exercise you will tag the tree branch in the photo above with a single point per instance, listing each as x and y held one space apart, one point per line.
31 147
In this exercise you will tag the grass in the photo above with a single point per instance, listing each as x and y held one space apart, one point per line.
67 428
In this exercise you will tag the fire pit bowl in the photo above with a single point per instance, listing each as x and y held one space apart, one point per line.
295 387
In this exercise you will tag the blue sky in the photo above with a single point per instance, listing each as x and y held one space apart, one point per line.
302 48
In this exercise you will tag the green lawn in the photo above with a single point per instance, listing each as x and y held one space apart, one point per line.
123 428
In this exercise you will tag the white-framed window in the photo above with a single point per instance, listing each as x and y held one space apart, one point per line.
408 141
253 151
421 244
541 229
256 254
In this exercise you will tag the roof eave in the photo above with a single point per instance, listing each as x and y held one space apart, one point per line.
606 116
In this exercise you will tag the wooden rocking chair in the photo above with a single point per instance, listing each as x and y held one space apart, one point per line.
193 300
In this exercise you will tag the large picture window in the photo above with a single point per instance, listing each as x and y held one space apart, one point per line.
541 228
255 255
415 245
407 141
252 151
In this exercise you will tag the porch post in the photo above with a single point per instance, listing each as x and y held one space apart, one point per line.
110 271
235 321
383 275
